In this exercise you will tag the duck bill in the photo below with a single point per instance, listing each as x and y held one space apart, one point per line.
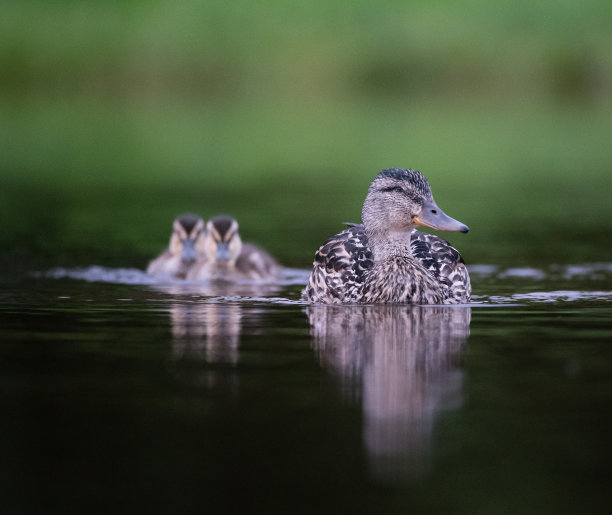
223 251
432 216
189 252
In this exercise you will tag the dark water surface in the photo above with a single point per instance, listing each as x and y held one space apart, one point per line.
123 395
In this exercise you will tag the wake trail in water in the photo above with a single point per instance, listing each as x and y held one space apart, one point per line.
134 276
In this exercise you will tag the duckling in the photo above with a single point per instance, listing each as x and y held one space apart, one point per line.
186 245
228 258
386 260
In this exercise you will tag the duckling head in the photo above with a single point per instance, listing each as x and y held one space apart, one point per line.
187 239
396 202
222 242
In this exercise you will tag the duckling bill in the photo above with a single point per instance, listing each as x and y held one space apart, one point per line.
184 249
386 259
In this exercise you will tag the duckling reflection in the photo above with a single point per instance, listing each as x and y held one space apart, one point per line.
205 345
402 364
207 330
219 289
185 247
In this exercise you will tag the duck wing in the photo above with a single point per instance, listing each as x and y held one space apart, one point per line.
340 266
444 262
256 264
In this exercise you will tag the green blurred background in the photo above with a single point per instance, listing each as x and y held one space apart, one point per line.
116 116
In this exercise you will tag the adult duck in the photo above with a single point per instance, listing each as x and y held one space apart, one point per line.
386 260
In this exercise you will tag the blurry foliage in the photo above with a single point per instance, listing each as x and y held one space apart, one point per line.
116 116
223 49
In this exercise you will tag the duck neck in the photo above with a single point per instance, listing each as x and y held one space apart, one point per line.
391 244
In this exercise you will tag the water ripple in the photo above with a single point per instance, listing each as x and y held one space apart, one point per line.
254 292
594 271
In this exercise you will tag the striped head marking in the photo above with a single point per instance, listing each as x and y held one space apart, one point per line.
223 243
187 236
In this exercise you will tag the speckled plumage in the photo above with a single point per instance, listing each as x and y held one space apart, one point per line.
427 270
437 275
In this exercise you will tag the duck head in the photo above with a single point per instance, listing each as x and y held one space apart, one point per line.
187 239
396 202
222 242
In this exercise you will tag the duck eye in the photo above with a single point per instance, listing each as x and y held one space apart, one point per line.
397 189
434 212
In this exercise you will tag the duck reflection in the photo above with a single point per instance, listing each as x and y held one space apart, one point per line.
402 364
